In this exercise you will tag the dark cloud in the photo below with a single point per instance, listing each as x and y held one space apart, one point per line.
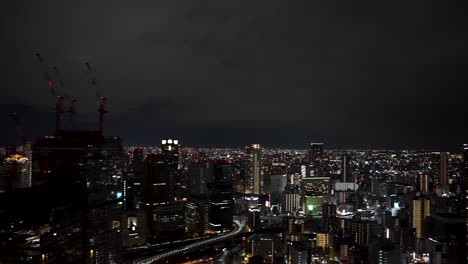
350 73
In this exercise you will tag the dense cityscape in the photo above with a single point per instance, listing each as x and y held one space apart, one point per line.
244 132
82 197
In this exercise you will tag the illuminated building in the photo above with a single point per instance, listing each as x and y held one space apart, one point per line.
255 169
329 216
254 218
17 174
315 151
221 195
291 199
221 207
316 185
421 210
197 215
157 184
361 231
133 230
168 223
165 217
324 241
423 183
170 150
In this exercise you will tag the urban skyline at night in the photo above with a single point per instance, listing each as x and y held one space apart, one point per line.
244 132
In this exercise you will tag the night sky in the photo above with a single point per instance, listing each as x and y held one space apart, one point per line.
353 74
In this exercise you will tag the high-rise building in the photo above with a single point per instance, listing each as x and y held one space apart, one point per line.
443 169
221 195
421 210
157 183
423 183
170 150
255 169
315 152
200 175
465 167
165 217
197 216
221 208
291 199
79 174
361 231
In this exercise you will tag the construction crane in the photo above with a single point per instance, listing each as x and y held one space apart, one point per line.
72 100
58 98
102 99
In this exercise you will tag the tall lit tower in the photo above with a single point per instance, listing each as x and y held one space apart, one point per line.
170 149
421 210
255 168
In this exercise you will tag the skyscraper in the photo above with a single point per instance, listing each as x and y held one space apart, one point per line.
255 169
315 151
170 150
157 184
200 175
443 168
221 204
421 210
165 217
80 174
465 167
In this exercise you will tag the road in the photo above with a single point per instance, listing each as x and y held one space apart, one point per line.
240 227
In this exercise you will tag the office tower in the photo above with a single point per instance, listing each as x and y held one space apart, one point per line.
360 230
263 245
325 242
465 168
443 169
79 174
423 183
197 216
137 161
421 210
132 228
299 253
170 150
221 208
157 182
255 169
316 186
165 217
345 171
168 223
291 199
221 194
315 152
329 216
200 175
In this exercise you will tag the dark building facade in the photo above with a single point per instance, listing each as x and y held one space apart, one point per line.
79 174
